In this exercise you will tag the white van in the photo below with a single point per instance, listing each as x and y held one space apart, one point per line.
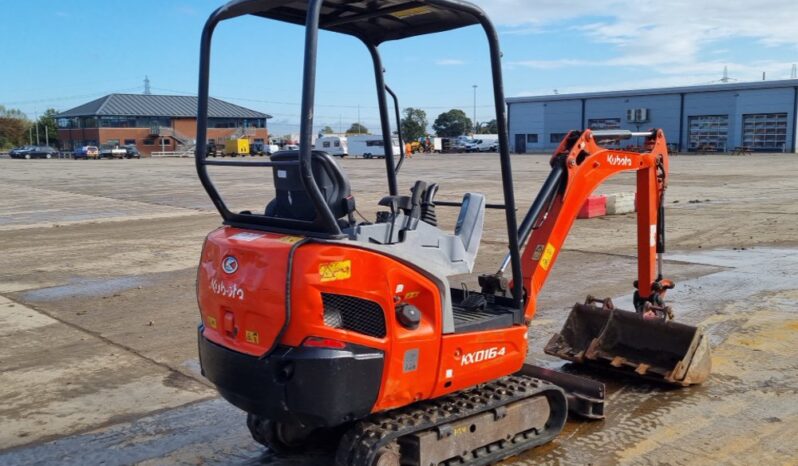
482 145
371 145
334 145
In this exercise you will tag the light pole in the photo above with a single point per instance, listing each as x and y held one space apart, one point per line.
475 108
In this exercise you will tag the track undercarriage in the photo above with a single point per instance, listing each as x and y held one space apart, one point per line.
478 426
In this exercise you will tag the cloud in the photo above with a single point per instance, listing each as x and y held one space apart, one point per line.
449 62
652 33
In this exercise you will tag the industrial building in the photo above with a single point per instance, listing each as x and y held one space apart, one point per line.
751 117
155 123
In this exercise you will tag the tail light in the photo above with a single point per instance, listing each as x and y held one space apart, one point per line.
318 342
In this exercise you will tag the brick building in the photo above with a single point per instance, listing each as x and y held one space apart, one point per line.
155 122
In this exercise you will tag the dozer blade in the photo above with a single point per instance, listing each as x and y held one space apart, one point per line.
652 348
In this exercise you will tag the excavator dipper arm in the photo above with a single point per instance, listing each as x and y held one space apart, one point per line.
583 165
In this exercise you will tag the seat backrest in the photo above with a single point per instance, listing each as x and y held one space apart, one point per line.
470 222
292 201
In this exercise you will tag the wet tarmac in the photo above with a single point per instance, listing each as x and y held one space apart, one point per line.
746 413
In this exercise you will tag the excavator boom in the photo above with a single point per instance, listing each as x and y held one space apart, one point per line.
641 341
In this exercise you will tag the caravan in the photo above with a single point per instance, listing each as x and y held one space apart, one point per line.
334 145
371 145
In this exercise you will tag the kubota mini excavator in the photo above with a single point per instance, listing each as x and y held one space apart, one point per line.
319 326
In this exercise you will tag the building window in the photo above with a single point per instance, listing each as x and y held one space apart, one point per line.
117 122
604 123
88 122
165 142
148 142
557 137
531 138
130 142
765 131
112 142
708 132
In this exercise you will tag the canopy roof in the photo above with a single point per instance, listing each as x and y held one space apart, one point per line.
373 21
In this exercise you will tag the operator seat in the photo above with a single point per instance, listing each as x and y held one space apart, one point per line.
293 202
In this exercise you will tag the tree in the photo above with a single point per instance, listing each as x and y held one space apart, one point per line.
490 127
48 129
414 124
357 128
12 113
13 128
13 132
452 123
327 130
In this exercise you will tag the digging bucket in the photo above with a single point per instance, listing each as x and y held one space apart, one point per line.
667 351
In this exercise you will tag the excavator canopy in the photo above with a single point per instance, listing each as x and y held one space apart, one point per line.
373 21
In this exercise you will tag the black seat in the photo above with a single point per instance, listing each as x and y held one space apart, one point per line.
293 202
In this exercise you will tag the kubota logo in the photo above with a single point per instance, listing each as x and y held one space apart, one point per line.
624 161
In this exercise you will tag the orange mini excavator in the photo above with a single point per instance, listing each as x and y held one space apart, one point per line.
322 327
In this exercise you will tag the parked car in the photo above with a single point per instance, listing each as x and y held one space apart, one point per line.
86 152
112 152
33 152
132 152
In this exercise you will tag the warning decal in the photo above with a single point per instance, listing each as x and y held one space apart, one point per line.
538 252
251 336
290 239
548 254
332 271
421 10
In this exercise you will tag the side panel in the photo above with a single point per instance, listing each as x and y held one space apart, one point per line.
468 359
410 354
243 307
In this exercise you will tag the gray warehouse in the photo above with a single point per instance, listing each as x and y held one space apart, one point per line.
756 116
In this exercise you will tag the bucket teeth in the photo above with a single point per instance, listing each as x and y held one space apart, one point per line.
666 351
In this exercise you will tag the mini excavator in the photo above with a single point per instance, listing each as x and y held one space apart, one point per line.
322 327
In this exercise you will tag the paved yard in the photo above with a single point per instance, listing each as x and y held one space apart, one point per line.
98 314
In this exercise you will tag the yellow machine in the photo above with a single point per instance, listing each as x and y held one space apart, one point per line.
236 147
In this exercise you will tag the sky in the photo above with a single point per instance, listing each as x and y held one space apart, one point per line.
60 54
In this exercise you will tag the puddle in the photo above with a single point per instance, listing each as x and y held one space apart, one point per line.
750 312
85 287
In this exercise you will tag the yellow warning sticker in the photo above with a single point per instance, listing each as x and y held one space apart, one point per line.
251 336
548 254
211 321
421 10
290 239
412 294
332 271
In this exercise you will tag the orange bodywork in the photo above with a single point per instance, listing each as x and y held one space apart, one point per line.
245 311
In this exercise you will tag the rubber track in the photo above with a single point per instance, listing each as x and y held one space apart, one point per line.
359 446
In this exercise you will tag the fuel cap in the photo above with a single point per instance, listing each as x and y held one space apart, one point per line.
408 316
